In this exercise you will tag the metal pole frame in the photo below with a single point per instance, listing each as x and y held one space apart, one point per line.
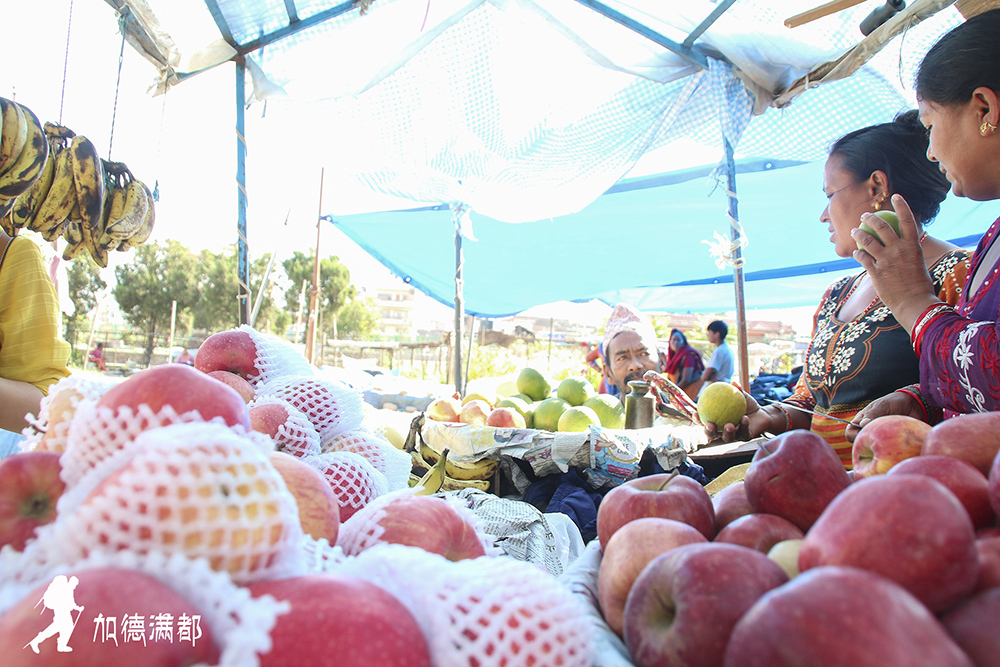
736 232
459 309
243 264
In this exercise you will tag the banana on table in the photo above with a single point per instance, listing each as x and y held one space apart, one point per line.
437 471
53 182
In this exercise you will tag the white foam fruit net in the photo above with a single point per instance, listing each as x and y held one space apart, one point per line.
331 407
394 463
203 490
275 358
239 623
485 612
50 429
296 436
354 480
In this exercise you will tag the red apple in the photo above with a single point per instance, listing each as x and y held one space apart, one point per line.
988 549
355 481
629 550
667 496
795 476
242 387
730 504
30 487
885 441
234 351
759 532
184 389
961 478
62 407
341 621
444 409
319 512
840 616
992 531
421 521
267 418
505 418
974 438
907 528
474 412
105 593
685 603
973 626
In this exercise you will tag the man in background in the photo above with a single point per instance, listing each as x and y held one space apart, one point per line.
630 348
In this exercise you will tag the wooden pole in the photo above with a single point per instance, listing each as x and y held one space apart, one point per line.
459 310
314 290
173 327
736 233
819 12
548 364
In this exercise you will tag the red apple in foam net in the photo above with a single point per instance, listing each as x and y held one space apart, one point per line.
988 549
974 438
961 478
795 476
629 550
885 441
242 387
355 482
667 496
685 603
474 412
233 351
730 504
184 389
106 592
505 418
30 487
907 528
759 532
444 409
319 511
973 625
840 616
267 418
341 621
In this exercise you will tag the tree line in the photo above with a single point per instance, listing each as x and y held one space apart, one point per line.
205 287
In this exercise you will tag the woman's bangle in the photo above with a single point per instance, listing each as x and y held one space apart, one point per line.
932 415
928 316
784 411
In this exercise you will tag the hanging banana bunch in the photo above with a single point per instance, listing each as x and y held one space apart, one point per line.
129 210
23 153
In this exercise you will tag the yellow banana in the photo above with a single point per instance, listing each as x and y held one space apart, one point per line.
452 484
50 221
132 206
27 167
481 469
7 224
54 131
145 230
74 240
88 175
434 478
13 134
30 202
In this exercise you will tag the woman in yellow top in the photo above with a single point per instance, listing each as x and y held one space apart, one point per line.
32 353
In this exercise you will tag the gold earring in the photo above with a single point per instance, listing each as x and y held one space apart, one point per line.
987 126
878 204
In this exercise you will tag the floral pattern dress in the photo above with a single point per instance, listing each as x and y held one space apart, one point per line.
850 364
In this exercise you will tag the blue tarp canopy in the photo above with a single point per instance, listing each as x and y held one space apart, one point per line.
641 242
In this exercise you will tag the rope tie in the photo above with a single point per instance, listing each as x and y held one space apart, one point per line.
723 250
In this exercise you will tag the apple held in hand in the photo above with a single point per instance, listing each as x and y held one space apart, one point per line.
974 438
840 616
341 621
961 478
233 351
885 441
30 487
667 496
684 604
759 532
319 511
629 550
444 409
907 528
795 476
105 593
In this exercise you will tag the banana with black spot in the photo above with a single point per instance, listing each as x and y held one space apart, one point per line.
28 204
50 220
88 176
481 469
28 165
13 133
145 230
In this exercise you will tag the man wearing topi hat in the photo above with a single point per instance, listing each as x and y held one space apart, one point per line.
629 348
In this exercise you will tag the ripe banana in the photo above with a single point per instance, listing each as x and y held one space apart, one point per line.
434 478
481 469
50 221
29 203
13 134
88 175
7 224
145 230
73 235
130 207
451 484
28 165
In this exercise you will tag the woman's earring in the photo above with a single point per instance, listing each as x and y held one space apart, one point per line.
987 126
878 204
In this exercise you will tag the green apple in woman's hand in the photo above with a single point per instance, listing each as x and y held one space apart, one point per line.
888 216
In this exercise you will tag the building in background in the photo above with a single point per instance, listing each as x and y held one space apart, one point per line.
395 306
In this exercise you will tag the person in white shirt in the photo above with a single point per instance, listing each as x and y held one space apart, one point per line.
720 366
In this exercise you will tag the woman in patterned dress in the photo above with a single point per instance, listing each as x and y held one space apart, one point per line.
859 352
958 93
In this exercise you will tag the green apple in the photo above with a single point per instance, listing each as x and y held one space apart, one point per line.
888 216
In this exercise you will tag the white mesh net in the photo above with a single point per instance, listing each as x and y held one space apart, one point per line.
296 435
354 480
50 429
239 623
394 463
332 408
202 489
487 612
275 357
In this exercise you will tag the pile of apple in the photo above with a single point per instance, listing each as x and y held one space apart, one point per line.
805 563
183 465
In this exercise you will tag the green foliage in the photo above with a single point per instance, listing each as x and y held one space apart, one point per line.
218 305
358 320
335 288
85 286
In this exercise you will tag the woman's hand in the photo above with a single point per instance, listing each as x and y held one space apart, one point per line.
755 422
896 265
896 403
